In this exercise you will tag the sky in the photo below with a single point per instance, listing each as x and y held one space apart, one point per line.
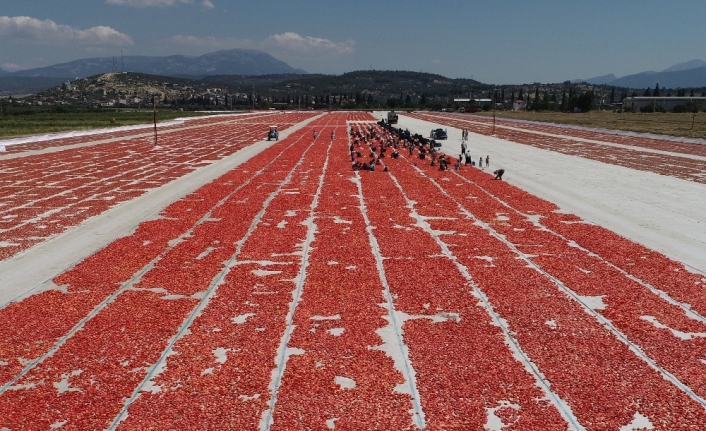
495 42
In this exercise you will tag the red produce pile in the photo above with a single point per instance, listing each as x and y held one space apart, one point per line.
295 293
44 195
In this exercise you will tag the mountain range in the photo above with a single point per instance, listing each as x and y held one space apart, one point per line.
690 74
226 62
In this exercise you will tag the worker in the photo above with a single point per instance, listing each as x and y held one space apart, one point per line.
487 161
499 174
443 163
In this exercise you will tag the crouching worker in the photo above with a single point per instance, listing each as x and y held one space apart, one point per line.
443 163
395 154
499 174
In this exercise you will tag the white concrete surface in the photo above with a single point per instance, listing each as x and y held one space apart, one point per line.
663 213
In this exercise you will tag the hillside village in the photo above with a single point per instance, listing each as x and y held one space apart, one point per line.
130 89
353 90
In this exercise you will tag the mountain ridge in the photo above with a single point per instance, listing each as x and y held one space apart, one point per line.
688 74
224 62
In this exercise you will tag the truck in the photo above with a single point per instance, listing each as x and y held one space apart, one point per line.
392 117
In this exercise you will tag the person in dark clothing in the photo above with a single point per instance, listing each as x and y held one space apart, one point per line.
487 161
395 155
499 174
443 163
468 159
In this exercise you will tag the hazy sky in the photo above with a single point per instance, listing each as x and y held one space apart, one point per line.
497 41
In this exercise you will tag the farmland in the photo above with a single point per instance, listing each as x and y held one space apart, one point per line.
33 123
217 281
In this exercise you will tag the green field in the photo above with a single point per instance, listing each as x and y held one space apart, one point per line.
659 123
17 124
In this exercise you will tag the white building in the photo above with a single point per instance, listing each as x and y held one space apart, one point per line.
483 102
519 105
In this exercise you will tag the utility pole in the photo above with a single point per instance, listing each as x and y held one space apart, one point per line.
253 97
154 116
493 121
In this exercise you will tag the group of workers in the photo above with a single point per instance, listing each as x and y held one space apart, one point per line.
377 140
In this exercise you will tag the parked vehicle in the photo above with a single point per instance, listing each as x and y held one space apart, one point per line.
392 117
438 134
273 133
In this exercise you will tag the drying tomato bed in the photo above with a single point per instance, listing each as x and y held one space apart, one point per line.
50 141
636 141
634 158
43 195
294 293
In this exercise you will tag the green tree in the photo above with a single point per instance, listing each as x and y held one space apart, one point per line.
423 100
656 92
563 101
647 93
612 95
408 100
392 103
585 101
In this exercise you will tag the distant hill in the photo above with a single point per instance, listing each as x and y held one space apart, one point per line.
3 72
379 83
27 85
692 64
226 62
679 79
684 75
598 80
